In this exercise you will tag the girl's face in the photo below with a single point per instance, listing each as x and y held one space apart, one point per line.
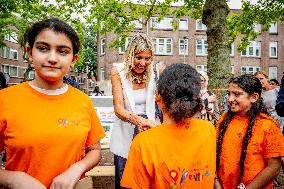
263 80
202 82
141 61
52 57
240 101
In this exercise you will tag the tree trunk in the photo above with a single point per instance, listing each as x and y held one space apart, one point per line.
215 14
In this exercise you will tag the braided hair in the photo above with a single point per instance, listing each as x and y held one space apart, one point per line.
250 84
138 43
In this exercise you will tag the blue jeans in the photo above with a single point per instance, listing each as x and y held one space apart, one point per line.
120 162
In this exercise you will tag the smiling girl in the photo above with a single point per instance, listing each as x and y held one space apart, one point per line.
50 130
249 142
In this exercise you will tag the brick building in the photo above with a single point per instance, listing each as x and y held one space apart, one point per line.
13 64
188 44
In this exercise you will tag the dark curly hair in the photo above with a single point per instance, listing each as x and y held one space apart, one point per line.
179 86
250 84
55 25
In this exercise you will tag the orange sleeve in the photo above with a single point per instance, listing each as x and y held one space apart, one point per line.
2 126
273 141
96 132
135 174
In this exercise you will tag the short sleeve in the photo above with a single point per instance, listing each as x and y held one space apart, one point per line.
3 125
273 141
96 132
135 174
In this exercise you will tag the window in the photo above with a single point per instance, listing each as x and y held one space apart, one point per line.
7 52
201 68
273 28
249 69
122 50
183 46
32 74
200 25
11 70
81 80
137 24
103 46
12 37
201 47
102 74
165 23
162 46
257 28
183 24
272 72
273 49
232 49
253 50
91 84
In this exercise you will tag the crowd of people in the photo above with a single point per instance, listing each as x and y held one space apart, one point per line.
168 131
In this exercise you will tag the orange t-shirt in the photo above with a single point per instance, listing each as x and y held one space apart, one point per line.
172 156
43 134
266 142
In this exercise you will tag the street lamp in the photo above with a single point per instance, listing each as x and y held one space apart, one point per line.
184 50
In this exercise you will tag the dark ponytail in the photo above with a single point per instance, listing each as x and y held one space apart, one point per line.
179 86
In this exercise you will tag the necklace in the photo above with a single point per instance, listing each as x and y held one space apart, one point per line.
138 80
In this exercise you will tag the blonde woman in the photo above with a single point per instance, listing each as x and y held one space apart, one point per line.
133 88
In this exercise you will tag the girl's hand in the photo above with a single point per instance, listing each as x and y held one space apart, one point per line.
217 184
23 180
67 179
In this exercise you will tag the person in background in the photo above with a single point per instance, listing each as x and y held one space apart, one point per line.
210 109
274 83
50 130
3 82
180 153
133 89
269 95
249 141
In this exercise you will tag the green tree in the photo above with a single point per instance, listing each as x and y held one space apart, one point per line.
117 15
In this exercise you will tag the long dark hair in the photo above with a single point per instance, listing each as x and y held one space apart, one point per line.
250 84
179 86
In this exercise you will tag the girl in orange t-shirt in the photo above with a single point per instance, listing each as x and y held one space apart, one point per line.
249 141
50 130
180 153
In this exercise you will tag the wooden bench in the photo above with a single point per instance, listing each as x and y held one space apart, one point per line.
101 171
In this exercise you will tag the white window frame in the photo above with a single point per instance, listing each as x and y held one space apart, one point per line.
103 46
257 28
232 50
9 67
249 69
183 26
204 47
13 37
164 24
161 48
273 45
272 72
200 26
273 28
121 50
7 52
201 67
137 23
102 72
254 46
32 74
183 46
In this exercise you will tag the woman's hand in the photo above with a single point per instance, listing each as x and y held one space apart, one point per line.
145 124
67 179
21 180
